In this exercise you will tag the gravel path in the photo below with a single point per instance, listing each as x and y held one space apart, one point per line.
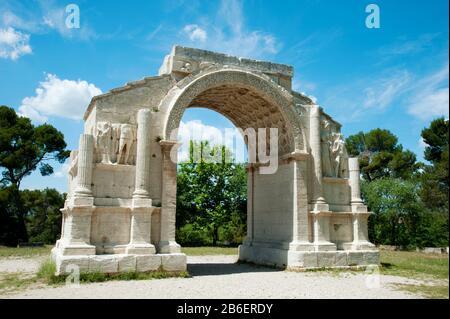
221 277
20 264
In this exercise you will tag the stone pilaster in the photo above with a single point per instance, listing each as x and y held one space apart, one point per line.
140 232
76 231
321 235
167 242
300 237
143 155
250 193
314 141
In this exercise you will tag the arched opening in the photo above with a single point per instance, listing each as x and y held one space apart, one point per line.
249 101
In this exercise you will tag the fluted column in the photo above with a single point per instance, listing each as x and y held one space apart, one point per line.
353 165
316 152
76 238
85 165
167 242
142 179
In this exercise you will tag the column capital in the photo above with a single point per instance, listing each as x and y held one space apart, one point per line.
296 156
166 145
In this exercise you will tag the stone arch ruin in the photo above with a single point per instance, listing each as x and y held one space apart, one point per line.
120 211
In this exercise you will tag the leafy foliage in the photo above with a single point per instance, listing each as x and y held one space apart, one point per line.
211 195
434 179
43 214
23 148
381 156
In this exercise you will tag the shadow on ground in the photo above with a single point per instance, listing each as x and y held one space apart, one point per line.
210 269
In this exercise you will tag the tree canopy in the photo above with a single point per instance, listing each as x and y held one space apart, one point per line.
434 178
381 156
211 192
24 148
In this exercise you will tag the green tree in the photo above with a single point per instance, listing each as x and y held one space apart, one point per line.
397 211
43 214
24 148
381 156
211 190
434 178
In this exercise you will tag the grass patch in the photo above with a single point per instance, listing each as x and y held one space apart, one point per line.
47 275
24 251
10 282
101 277
203 251
431 267
414 264
427 291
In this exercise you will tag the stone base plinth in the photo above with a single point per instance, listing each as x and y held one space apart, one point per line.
115 263
291 259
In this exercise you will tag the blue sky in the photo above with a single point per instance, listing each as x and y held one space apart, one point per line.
393 77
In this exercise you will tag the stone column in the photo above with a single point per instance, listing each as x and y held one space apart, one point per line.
360 214
353 166
314 140
143 155
141 210
77 213
85 165
167 242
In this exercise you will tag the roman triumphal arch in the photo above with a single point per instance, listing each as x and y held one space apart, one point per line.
304 212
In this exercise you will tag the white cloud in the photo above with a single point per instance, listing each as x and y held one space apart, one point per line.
405 46
63 170
61 98
195 33
382 92
47 17
9 19
227 33
13 44
55 19
430 96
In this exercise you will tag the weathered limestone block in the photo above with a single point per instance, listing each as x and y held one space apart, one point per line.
372 257
341 259
355 258
67 265
148 262
104 263
127 263
326 259
173 262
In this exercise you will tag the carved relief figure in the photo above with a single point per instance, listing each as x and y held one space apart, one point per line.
326 144
340 156
104 141
125 143
115 142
